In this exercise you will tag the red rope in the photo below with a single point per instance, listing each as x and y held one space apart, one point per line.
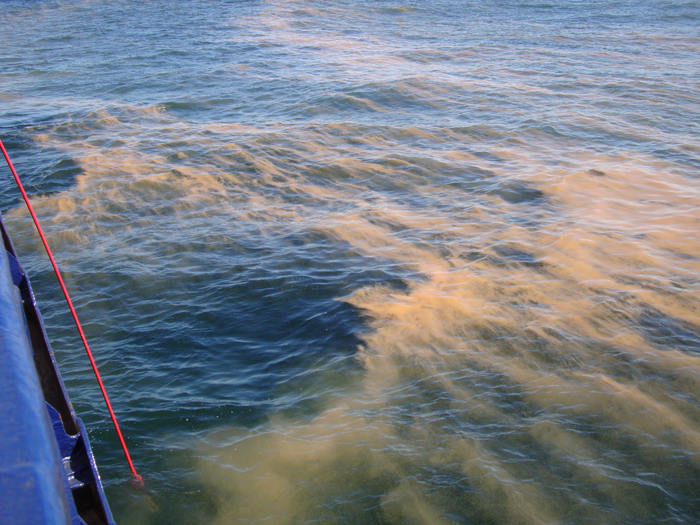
137 478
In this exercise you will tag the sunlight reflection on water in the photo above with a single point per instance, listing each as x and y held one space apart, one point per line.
374 263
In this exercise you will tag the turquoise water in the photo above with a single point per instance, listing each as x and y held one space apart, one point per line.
370 261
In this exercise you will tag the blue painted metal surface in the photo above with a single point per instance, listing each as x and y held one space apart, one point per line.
47 470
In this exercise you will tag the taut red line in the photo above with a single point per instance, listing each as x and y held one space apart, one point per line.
137 478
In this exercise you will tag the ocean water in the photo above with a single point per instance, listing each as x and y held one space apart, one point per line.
392 262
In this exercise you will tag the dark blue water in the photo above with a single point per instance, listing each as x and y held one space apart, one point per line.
370 261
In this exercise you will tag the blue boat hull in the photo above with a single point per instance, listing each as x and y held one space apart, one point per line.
48 473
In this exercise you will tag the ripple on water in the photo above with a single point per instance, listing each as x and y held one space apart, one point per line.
372 263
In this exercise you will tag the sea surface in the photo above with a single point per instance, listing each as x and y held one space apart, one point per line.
370 261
